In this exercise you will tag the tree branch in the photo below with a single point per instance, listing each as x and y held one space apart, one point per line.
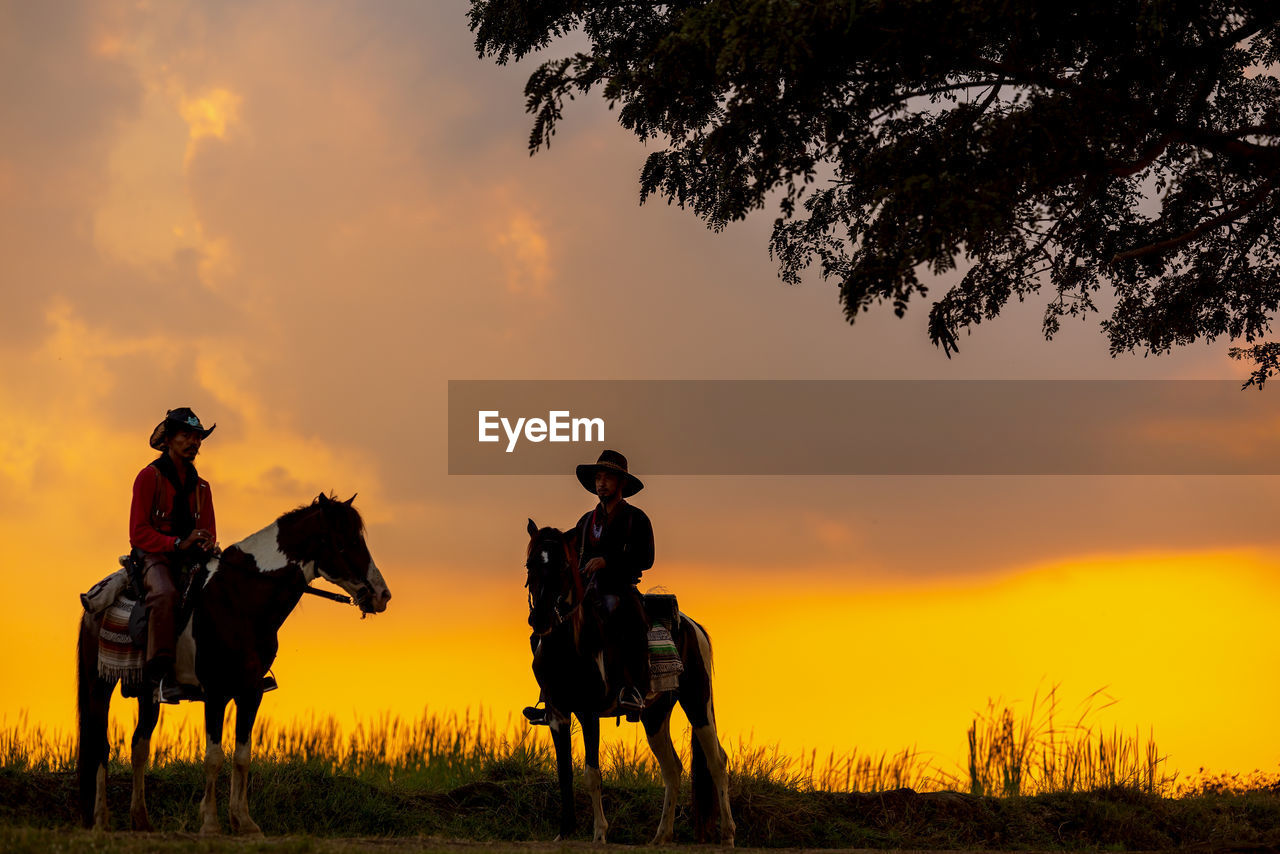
1148 156
1255 130
1225 143
901 99
1249 203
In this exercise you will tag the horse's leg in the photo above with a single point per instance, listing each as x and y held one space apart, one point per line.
246 713
215 708
657 727
560 730
717 764
148 715
100 705
708 755
93 702
591 747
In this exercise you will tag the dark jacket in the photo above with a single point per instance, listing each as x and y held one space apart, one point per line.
625 541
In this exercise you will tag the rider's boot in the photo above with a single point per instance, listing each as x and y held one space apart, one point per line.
171 691
537 716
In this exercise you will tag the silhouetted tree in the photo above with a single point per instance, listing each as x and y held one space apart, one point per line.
1084 145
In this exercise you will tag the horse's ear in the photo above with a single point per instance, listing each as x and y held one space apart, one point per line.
322 499
533 529
352 498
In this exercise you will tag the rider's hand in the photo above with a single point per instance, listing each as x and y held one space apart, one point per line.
596 563
199 538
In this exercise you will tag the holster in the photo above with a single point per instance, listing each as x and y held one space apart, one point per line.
138 616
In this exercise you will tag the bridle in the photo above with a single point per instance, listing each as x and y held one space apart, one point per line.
365 592
572 610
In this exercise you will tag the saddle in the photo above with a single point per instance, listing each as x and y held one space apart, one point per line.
665 665
122 642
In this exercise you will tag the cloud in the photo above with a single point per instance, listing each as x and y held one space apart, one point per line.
148 215
525 253
208 115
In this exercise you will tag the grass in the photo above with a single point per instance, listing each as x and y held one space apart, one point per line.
1009 755
1037 754
1032 780
439 752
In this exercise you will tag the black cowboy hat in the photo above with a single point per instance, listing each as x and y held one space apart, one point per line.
181 418
609 461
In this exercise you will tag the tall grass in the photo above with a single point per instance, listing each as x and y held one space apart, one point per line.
1036 753
433 751
1008 754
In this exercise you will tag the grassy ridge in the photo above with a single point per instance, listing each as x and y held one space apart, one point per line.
297 800
1030 783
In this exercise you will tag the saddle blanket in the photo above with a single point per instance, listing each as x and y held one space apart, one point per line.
118 658
665 665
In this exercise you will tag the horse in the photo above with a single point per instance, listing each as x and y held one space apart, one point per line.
569 666
247 592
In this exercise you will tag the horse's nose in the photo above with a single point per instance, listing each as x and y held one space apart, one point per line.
381 598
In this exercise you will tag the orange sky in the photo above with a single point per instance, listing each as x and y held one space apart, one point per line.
303 219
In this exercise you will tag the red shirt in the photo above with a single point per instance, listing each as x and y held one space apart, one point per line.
150 515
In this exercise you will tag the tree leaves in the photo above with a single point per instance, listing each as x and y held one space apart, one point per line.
1128 145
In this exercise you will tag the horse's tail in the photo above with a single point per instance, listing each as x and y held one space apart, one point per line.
91 714
705 808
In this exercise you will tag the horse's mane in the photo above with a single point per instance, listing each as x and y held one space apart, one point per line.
350 515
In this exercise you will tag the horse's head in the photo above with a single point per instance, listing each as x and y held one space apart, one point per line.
551 577
330 535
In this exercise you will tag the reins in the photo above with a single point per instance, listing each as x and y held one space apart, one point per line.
325 594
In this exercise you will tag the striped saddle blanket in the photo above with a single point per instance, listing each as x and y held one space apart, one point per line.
665 665
118 657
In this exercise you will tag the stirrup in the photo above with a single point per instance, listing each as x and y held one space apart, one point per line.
630 703
172 692
269 683
536 716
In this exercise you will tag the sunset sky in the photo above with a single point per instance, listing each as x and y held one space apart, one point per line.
304 219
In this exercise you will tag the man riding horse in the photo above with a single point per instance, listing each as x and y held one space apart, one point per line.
171 528
615 546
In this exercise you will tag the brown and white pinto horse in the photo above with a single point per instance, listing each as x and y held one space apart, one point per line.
569 666
247 593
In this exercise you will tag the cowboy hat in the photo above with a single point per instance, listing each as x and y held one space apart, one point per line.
611 461
181 418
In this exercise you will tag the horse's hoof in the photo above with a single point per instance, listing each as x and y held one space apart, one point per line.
598 839
246 827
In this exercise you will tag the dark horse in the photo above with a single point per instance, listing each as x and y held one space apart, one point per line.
569 665
247 593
